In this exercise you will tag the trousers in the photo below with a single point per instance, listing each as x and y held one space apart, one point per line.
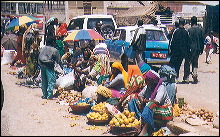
176 61
48 82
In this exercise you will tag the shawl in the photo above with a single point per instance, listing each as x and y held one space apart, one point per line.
133 70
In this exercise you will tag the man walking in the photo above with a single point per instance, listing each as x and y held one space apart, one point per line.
197 45
47 58
139 43
180 49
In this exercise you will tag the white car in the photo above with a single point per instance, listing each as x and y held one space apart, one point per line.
89 22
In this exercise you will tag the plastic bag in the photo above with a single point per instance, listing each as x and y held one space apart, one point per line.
90 92
8 56
66 80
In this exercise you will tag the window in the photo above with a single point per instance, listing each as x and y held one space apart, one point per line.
92 22
120 34
76 24
155 35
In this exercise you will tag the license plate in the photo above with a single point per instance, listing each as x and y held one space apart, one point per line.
158 55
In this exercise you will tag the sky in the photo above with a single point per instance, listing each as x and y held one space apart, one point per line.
210 2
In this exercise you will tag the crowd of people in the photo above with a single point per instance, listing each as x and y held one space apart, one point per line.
137 87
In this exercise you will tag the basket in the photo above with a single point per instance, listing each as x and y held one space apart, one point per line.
124 130
80 109
97 122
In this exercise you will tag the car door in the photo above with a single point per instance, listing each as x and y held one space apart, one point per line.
156 47
116 45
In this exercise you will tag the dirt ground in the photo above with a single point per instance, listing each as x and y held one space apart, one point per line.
24 113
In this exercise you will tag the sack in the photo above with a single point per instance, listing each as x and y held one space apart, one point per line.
8 57
167 73
66 81
140 44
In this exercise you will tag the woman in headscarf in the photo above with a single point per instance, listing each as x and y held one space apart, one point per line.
118 79
155 102
51 29
30 48
19 55
62 31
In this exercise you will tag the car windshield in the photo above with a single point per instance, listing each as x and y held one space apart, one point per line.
76 24
92 22
120 34
155 35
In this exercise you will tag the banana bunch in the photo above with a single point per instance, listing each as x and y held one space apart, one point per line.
99 107
104 91
160 132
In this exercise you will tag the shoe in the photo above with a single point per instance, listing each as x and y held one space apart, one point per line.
195 80
43 97
185 80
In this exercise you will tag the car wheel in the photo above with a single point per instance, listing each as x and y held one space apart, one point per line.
108 31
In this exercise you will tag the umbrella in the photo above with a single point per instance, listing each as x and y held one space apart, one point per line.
79 35
23 20
9 42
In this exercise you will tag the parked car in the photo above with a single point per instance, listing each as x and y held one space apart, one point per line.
89 22
156 44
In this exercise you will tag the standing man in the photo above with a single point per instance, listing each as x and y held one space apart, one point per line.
180 49
139 43
197 45
47 58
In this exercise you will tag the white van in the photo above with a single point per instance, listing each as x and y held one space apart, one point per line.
89 22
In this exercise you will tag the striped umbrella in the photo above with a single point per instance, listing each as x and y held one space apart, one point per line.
80 35
23 20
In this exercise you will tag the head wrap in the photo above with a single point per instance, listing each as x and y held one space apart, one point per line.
102 90
133 70
154 77
119 66
144 67
51 20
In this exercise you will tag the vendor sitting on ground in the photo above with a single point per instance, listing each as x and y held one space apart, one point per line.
155 102
86 75
118 79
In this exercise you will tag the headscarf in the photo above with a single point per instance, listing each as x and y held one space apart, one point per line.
119 66
155 77
63 29
133 70
144 67
51 20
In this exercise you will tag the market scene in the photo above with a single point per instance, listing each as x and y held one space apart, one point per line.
110 68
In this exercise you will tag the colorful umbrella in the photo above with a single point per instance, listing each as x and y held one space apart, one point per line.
79 35
23 20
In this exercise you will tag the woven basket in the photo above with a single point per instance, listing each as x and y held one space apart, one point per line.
80 109
96 122
123 130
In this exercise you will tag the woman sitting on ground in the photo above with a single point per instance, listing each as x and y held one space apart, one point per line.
118 79
155 102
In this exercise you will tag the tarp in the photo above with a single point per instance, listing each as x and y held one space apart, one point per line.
133 14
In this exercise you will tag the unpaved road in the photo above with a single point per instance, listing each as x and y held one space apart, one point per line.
25 114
